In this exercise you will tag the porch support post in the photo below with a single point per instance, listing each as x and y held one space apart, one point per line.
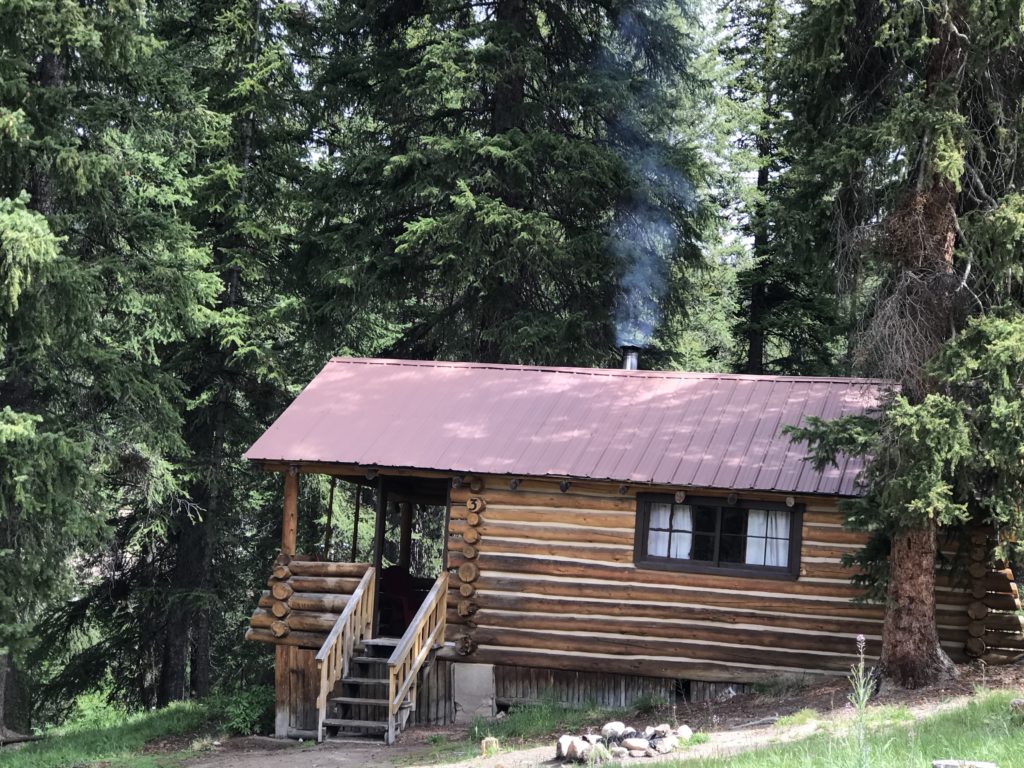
378 547
405 534
290 522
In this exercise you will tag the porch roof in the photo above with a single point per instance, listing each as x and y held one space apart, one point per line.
645 427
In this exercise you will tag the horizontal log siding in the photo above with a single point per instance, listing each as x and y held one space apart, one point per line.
552 585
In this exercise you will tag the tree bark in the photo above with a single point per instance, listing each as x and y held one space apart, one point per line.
190 569
758 308
921 235
911 653
510 87
14 719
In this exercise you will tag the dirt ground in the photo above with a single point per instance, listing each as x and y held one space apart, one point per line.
738 724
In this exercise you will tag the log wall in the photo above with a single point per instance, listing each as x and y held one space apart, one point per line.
570 688
544 578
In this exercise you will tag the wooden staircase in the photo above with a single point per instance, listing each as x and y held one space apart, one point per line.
368 684
358 705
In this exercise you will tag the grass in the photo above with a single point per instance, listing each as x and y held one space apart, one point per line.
100 732
801 717
523 726
984 729
539 724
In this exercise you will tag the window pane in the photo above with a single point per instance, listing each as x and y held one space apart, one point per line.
768 537
731 549
682 518
734 521
657 543
704 519
703 547
659 514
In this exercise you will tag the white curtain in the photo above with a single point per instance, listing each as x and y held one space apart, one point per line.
657 541
682 532
768 537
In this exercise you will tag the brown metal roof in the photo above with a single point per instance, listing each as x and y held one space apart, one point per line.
666 428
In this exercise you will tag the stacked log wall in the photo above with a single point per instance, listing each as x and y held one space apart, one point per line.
303 601
543 577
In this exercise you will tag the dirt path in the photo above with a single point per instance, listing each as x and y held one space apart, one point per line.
264 752
737 725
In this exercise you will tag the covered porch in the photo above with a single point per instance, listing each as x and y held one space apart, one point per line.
355 637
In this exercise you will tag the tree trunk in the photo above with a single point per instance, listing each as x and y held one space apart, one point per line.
911 653
14 719
190 569
200 668
758 309
510 87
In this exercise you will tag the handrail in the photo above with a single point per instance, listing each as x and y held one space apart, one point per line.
353 626
413 649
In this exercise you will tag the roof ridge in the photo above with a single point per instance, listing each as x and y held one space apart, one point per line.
613 372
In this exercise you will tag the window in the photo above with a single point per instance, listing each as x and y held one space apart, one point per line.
705 534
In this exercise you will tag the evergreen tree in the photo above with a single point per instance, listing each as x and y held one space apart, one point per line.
166 609
905 122
498 178
788 320
98 135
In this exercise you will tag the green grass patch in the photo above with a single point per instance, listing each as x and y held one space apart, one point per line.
802 717
101 732
532 725
984 729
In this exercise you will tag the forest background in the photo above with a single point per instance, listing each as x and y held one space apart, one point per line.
202 200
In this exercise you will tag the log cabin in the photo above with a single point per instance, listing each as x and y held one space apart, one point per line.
603 534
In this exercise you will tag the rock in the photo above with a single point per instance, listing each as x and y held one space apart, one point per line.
619 752
649 752
592 739
561 745
666 744
577 750
500 716
489 746
962 764
648 733
638 753
613 730
662 730
1017 705
684 733
635 742
627 732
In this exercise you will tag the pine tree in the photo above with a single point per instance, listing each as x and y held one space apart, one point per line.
166 608
97 138
788 321
496 176
905 123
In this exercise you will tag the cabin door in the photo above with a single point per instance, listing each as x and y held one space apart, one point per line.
409 548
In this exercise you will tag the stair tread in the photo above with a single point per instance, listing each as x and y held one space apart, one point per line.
381 641
343 723
369 658
357 700
367 680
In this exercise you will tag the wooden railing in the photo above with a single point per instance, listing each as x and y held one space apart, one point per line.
353 626
424 633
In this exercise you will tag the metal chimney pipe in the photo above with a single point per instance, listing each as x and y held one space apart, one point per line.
630 358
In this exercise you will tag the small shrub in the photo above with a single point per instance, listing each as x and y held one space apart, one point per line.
780 686
247 712
801 717
649 703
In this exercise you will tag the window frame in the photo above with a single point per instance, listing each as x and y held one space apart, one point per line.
641 559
